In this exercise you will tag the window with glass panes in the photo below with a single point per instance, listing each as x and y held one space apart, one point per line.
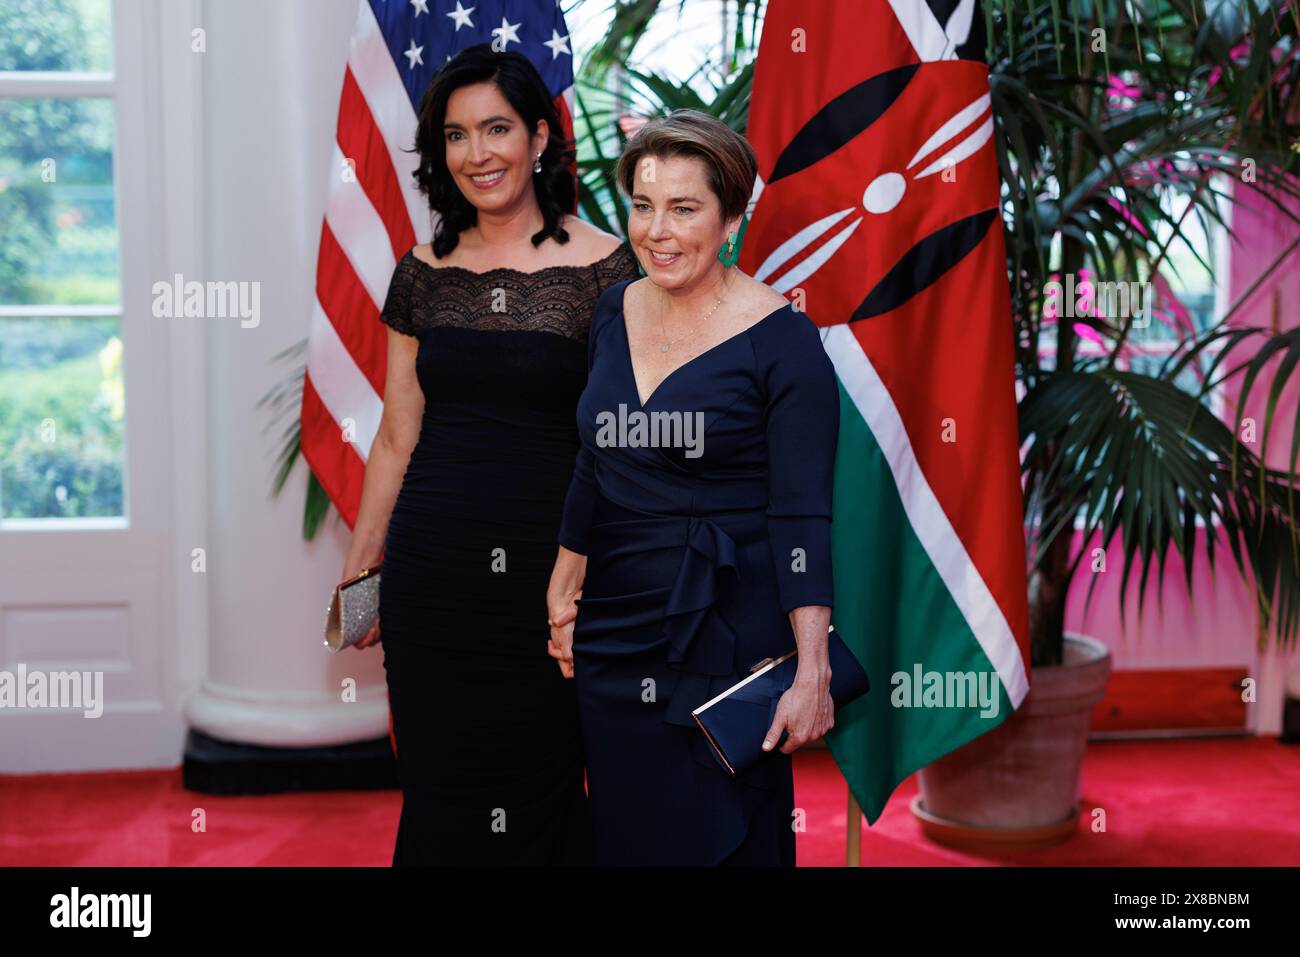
62 421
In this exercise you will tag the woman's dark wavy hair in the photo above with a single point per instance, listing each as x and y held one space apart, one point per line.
522 86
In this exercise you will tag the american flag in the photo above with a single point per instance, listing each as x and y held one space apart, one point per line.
375 213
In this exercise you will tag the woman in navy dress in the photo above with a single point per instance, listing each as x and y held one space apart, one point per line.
695 540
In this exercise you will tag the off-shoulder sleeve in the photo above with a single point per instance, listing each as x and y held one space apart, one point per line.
803 414
619 265
397 304
575 523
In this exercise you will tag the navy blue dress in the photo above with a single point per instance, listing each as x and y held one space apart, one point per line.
696 553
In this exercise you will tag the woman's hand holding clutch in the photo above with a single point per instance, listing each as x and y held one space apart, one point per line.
806 711
352 567
372 637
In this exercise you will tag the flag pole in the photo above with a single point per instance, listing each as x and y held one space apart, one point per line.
853 832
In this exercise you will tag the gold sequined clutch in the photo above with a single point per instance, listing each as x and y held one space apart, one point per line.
353 609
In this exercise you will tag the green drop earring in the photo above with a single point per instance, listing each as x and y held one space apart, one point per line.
731 255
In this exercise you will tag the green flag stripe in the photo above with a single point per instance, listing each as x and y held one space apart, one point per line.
873 405
898 614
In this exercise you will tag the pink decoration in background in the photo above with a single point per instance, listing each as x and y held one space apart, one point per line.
631 125
1118 88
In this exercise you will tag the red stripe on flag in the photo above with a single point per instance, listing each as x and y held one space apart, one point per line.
362 142
335 463
351 311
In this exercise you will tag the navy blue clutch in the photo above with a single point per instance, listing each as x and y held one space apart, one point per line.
736 721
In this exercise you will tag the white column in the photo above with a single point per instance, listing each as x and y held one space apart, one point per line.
272 76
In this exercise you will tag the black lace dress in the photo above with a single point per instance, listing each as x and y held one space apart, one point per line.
489 752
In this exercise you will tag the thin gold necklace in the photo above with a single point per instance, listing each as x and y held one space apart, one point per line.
669 343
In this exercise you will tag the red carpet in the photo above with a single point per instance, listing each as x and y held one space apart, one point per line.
1193 802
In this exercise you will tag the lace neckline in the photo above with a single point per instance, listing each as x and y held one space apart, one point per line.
620 248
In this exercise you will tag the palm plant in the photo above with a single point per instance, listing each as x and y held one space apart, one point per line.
1113 155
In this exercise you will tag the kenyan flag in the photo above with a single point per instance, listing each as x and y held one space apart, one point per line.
877 215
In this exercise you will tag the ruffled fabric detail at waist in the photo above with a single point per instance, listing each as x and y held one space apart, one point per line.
697 638
699 644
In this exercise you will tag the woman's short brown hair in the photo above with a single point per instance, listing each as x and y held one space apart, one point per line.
729 159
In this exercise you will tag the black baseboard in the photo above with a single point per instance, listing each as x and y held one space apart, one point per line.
213 766
1291 721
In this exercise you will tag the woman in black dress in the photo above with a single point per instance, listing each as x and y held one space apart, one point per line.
465 483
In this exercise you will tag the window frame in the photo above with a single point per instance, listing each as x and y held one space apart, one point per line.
129 45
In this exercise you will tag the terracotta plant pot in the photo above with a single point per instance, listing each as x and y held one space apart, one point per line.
1018 785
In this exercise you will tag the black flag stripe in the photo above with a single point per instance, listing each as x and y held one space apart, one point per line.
924 263
842 119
